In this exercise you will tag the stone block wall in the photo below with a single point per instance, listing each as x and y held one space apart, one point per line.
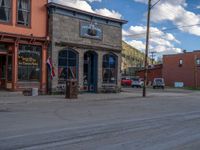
66 29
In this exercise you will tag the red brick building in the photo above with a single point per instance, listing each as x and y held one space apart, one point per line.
183 67
154 71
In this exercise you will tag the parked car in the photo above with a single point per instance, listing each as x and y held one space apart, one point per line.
137 82
126 81
158 83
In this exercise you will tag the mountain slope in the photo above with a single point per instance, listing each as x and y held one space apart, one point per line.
131 57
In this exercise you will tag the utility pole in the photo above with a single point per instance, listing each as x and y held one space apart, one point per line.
147 48
152 56
195 72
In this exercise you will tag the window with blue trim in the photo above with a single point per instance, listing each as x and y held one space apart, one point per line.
109 68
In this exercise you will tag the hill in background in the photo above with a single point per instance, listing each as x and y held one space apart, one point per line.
132 59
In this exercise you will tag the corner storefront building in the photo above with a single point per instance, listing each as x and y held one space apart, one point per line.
86 47
23 44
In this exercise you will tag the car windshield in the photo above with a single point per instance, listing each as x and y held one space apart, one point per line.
159 80
135 79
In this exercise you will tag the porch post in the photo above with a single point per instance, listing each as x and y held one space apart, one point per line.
15 67
43 86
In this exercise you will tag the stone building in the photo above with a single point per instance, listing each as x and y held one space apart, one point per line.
84 46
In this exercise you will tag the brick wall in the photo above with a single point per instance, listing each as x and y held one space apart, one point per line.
188 72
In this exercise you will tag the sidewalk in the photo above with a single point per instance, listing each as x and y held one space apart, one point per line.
14 99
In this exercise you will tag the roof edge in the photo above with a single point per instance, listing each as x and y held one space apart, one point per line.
85 12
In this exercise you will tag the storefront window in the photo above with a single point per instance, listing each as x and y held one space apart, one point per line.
67 65
29 63
109 68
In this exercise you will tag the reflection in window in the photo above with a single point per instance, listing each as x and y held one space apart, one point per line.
180 63
5 10
109 68
198 61
23 12
29 63
67 65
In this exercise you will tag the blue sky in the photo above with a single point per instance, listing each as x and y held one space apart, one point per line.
165 15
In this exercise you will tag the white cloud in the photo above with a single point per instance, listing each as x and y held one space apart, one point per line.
175 11
198 7
160 41
93 1
137 44
84 5
108 13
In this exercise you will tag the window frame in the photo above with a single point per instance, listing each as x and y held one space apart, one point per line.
30 15
10 22
32 66
67 64
110 68
180 63
198 61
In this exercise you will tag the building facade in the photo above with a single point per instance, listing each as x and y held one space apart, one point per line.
86 47
154 71
183 68
23 44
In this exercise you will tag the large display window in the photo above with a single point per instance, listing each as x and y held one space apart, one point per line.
109 68
29 63
67 65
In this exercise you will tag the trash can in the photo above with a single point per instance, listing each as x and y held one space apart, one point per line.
71 89
34 91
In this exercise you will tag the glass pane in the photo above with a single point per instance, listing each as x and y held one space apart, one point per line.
62 73
62 62
71 62
23 12
9 69
29 63
72 55
67 65
109 68
5 6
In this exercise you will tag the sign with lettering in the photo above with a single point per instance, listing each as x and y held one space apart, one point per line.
28 58
90 30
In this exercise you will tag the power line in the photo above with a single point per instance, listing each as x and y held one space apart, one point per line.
155 4
168 29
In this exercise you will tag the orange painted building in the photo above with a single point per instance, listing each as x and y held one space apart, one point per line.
23 44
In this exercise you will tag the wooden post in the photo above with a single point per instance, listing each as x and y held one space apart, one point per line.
147 48
43 86
15 67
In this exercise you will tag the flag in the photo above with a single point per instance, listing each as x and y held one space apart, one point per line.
51 68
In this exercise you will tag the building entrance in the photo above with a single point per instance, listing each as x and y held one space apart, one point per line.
90 71
2 71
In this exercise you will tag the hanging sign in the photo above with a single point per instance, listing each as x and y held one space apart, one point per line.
90 30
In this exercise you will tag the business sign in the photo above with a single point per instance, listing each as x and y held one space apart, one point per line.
90 30
178 84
